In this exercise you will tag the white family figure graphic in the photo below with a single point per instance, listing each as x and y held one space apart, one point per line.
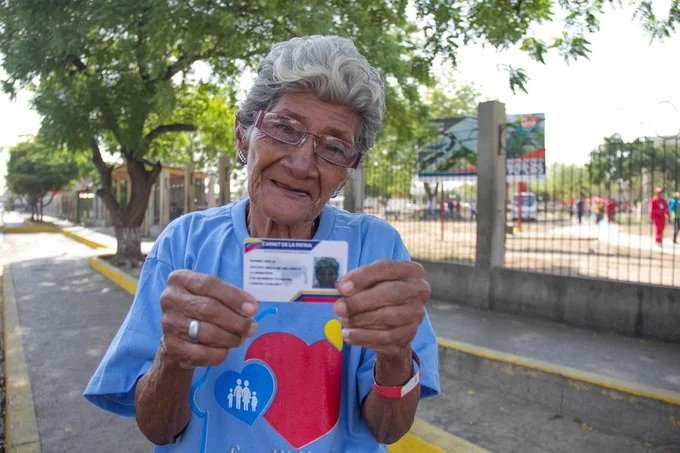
244 399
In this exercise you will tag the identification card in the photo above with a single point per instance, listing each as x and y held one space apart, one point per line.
282 270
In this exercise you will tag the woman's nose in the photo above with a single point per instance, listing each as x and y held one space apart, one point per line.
304 157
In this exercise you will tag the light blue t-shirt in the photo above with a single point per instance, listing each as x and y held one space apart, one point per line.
286 390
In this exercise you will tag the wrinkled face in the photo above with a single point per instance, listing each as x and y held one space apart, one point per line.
292 184
326 277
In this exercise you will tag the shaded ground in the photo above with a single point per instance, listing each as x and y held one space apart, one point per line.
68 315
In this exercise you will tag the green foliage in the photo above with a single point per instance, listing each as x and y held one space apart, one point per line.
33 171
617 161
391 166
504 24
121 75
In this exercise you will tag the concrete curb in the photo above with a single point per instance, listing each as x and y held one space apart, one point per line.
423 437
22 435
608 383
54 229
118 277
611 405
426 438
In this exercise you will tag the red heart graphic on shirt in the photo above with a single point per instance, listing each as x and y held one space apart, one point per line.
308 385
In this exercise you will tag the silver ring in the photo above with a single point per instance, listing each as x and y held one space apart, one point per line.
194 324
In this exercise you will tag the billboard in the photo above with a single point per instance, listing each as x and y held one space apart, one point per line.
525 147
453 155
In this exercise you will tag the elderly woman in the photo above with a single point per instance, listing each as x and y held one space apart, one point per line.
203 366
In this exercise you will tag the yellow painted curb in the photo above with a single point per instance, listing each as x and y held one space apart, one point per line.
619 385
31 229
82 240
21 429
423 438
52 229
117 276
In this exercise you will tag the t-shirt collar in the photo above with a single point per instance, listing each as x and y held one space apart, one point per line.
323 232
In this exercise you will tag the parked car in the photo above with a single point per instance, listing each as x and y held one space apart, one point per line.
529 206
400 208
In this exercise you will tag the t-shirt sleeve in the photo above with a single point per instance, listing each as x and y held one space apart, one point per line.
424 344
134 347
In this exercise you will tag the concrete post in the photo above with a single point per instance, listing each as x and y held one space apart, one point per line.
354 192
491 186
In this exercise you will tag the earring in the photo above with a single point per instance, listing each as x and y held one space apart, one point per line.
241 157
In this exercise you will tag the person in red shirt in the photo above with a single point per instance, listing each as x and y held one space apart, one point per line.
658 213
611 211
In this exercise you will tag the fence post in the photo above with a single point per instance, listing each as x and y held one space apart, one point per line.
491 185
354 191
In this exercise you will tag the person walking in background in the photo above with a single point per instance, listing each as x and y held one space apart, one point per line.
579 209
611 211
674 207
599 212
658 213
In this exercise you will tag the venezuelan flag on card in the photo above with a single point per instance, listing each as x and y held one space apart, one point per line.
285 270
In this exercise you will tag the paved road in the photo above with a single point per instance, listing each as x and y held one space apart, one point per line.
68 315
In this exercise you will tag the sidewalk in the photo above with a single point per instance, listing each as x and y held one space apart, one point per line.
104 236
67 316
639 361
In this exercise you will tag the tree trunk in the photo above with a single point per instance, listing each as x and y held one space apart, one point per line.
129 247
429 192
127 221
224 175
40 213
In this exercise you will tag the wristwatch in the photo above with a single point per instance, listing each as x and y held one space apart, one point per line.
402 391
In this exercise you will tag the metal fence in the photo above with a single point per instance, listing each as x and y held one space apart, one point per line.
594 220
589 220
437 221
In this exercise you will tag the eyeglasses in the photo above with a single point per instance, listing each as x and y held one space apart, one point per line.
292 132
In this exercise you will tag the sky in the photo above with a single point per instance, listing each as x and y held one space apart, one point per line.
628 85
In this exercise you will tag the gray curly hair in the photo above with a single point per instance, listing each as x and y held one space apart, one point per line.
329 66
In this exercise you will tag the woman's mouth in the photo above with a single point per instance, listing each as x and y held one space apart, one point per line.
289 189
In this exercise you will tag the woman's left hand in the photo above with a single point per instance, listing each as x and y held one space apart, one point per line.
382 306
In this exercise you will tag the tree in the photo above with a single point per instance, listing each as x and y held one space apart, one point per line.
117 76
620 165
392 165
33 173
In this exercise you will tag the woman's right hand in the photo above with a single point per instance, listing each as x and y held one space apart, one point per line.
223 311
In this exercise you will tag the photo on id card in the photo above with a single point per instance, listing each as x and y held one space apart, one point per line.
278 270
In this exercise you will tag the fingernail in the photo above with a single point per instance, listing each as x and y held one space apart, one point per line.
252 330
249 308
346 287
345 335
343 321
340 309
